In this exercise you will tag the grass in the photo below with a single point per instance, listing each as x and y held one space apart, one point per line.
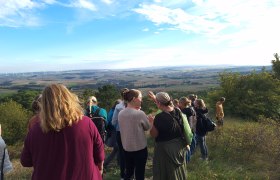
239 150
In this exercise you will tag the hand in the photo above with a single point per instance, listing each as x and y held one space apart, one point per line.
100 167
188 147
151 118
152 95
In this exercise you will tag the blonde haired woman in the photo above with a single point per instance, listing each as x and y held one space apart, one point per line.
65 144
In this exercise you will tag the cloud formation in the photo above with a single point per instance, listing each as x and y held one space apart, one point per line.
146 31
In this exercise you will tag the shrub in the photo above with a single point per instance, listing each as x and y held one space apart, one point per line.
251 143
13 118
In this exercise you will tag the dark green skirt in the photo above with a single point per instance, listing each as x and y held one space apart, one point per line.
169 161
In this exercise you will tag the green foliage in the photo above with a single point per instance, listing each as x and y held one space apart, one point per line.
249 96
23 97
86 94
13 118
248 146
148 106
276 66
107 95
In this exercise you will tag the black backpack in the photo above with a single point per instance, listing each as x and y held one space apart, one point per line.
99 122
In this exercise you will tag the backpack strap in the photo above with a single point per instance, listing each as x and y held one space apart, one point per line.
2 164
180 126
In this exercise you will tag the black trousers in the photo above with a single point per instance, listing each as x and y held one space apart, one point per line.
135 163
121 155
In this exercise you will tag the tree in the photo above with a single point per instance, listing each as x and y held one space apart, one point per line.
14 119
276 66
249 96
148 106
86 94
23 97
107 95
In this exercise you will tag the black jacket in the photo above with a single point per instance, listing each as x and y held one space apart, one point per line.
200 126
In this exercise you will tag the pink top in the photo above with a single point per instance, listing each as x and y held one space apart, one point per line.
72 153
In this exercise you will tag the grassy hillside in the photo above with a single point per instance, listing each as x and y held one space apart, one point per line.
239 150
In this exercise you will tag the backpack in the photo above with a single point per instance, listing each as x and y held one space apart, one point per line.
209 124
99 122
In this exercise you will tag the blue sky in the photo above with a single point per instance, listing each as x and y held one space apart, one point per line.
43 35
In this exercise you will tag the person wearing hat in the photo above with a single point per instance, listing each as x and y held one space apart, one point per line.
170 150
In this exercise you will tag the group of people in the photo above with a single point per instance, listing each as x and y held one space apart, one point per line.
64 143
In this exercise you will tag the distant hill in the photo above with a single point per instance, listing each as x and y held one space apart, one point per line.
180 78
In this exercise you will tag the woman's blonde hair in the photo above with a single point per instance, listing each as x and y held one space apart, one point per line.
184 101
200 103
59 108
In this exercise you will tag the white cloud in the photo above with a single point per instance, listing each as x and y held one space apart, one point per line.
15 13
236 22
107 1
179 19
85 4
50 1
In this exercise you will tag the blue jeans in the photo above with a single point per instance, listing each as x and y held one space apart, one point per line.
201 141
192 148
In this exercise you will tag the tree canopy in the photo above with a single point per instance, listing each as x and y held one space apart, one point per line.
276 66
249 96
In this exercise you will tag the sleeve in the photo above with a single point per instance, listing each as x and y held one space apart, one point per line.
98 147
26 157
145 122
110 116
7 163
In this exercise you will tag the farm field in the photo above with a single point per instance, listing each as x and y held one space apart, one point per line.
169 79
